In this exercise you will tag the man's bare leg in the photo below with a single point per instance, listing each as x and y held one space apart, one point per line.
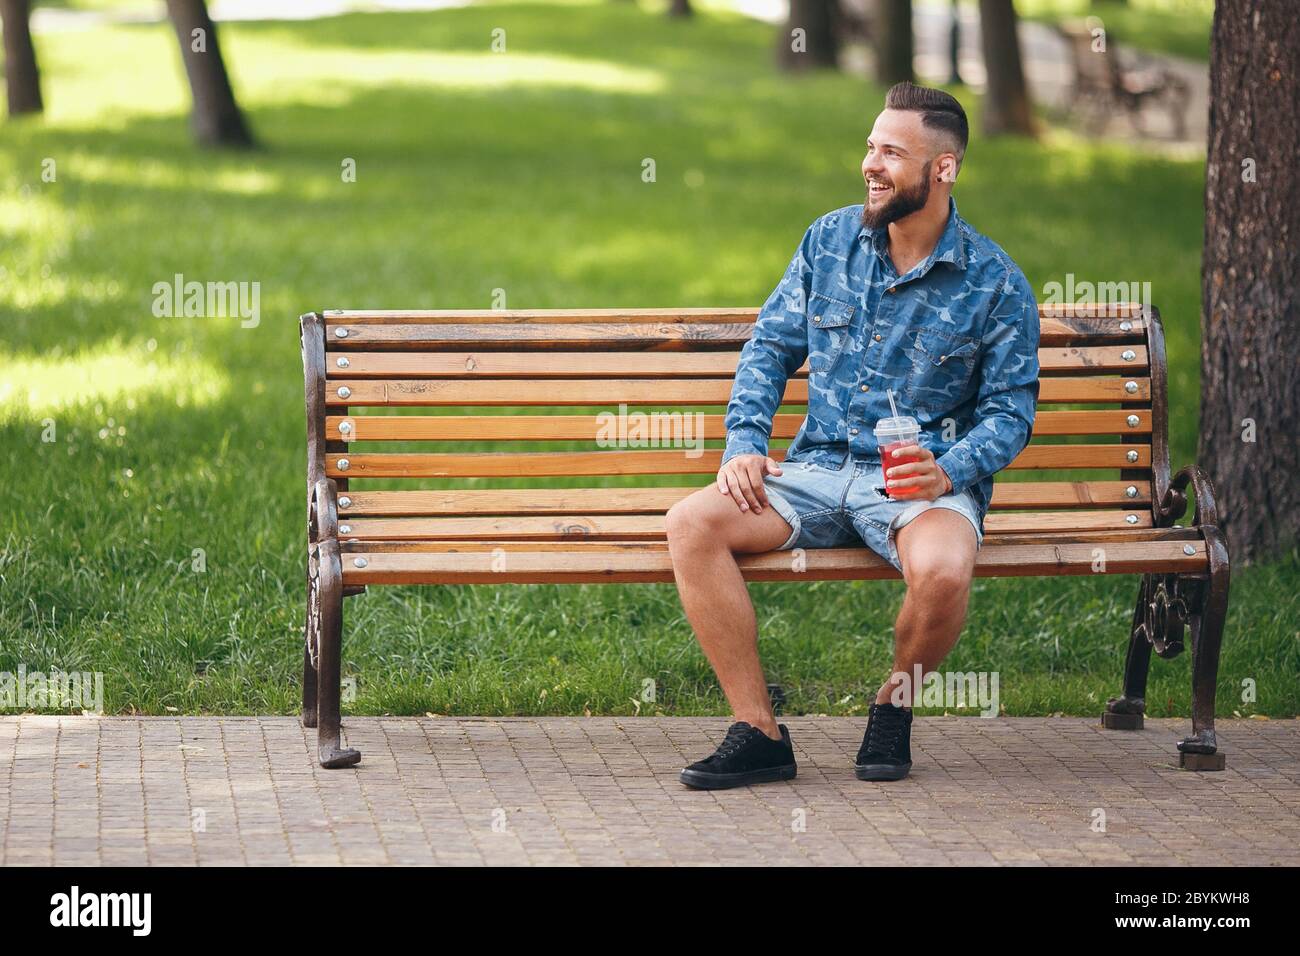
937 550
705 532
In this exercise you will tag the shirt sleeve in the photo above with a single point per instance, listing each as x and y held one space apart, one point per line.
775 350
1008 390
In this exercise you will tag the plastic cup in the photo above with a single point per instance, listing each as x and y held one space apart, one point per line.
892 434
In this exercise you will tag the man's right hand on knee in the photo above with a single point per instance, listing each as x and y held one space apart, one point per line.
742 478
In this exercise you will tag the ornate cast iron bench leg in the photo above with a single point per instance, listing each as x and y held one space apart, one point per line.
1200 751
311 630
1168 603
326 613
1125 712
310 644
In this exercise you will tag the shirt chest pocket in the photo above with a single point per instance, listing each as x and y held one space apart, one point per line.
829 331
942 366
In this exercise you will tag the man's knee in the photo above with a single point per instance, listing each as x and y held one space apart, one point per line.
938 553
691 521
938 575
938 572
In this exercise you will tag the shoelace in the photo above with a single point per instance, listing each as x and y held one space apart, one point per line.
736 738
883 734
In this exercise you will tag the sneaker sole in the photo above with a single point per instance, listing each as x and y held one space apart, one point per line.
700 780
881 771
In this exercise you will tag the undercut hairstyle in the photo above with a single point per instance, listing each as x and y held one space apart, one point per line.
939 111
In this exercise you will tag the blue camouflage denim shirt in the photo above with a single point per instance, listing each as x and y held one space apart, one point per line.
956 338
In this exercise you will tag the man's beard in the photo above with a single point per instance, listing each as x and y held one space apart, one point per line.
903 203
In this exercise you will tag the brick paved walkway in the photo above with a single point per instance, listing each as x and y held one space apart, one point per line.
234 790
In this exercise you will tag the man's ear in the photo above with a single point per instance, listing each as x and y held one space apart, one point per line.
946 168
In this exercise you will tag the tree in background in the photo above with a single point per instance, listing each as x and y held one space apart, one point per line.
1006 99
680 8
216 120
22 78
894 43
810 38
1250 378
954 46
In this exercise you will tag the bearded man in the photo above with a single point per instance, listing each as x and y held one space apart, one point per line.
896 294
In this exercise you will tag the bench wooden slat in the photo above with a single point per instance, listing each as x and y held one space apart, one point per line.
1119 310
651 527
704 391
614 546
710 427
534 316
567 564
577 335
478 364
656 500
649 334
660 462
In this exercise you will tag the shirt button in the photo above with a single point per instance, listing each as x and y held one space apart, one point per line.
817 318
866 388
853 431
893 288
877 338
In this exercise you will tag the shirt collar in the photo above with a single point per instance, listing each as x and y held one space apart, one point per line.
950 248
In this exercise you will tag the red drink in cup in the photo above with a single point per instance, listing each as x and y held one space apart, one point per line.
891 435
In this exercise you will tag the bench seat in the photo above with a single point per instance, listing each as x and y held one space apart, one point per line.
630 562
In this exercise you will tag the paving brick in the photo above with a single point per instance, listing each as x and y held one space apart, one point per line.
569 791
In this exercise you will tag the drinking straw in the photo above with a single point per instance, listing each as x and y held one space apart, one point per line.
892 407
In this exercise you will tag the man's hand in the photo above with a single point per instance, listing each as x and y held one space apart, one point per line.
915 480
742 478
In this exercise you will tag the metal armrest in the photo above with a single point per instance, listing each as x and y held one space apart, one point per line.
1174 503
324 511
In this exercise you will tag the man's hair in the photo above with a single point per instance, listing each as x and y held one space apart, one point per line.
939 111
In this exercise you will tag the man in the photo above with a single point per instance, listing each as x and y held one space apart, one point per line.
897 294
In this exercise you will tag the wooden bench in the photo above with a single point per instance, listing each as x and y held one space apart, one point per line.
511 377
1107 84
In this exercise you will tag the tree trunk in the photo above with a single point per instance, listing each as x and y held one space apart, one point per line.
216 120
894 47
22 78
809 39
1250 377
680 8
954 46
1006 98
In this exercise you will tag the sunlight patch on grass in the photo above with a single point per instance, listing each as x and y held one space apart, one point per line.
108 77
157 174
631 249
293 76
31 220
33 387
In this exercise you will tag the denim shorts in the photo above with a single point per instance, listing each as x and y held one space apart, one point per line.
830 508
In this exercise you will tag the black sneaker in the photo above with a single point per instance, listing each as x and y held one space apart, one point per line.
886 751
747 756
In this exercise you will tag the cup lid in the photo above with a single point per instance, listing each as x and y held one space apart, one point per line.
903 423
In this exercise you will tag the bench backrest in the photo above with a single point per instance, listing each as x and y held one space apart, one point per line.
393 398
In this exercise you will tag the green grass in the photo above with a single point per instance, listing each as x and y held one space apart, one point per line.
1178 27
479 171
